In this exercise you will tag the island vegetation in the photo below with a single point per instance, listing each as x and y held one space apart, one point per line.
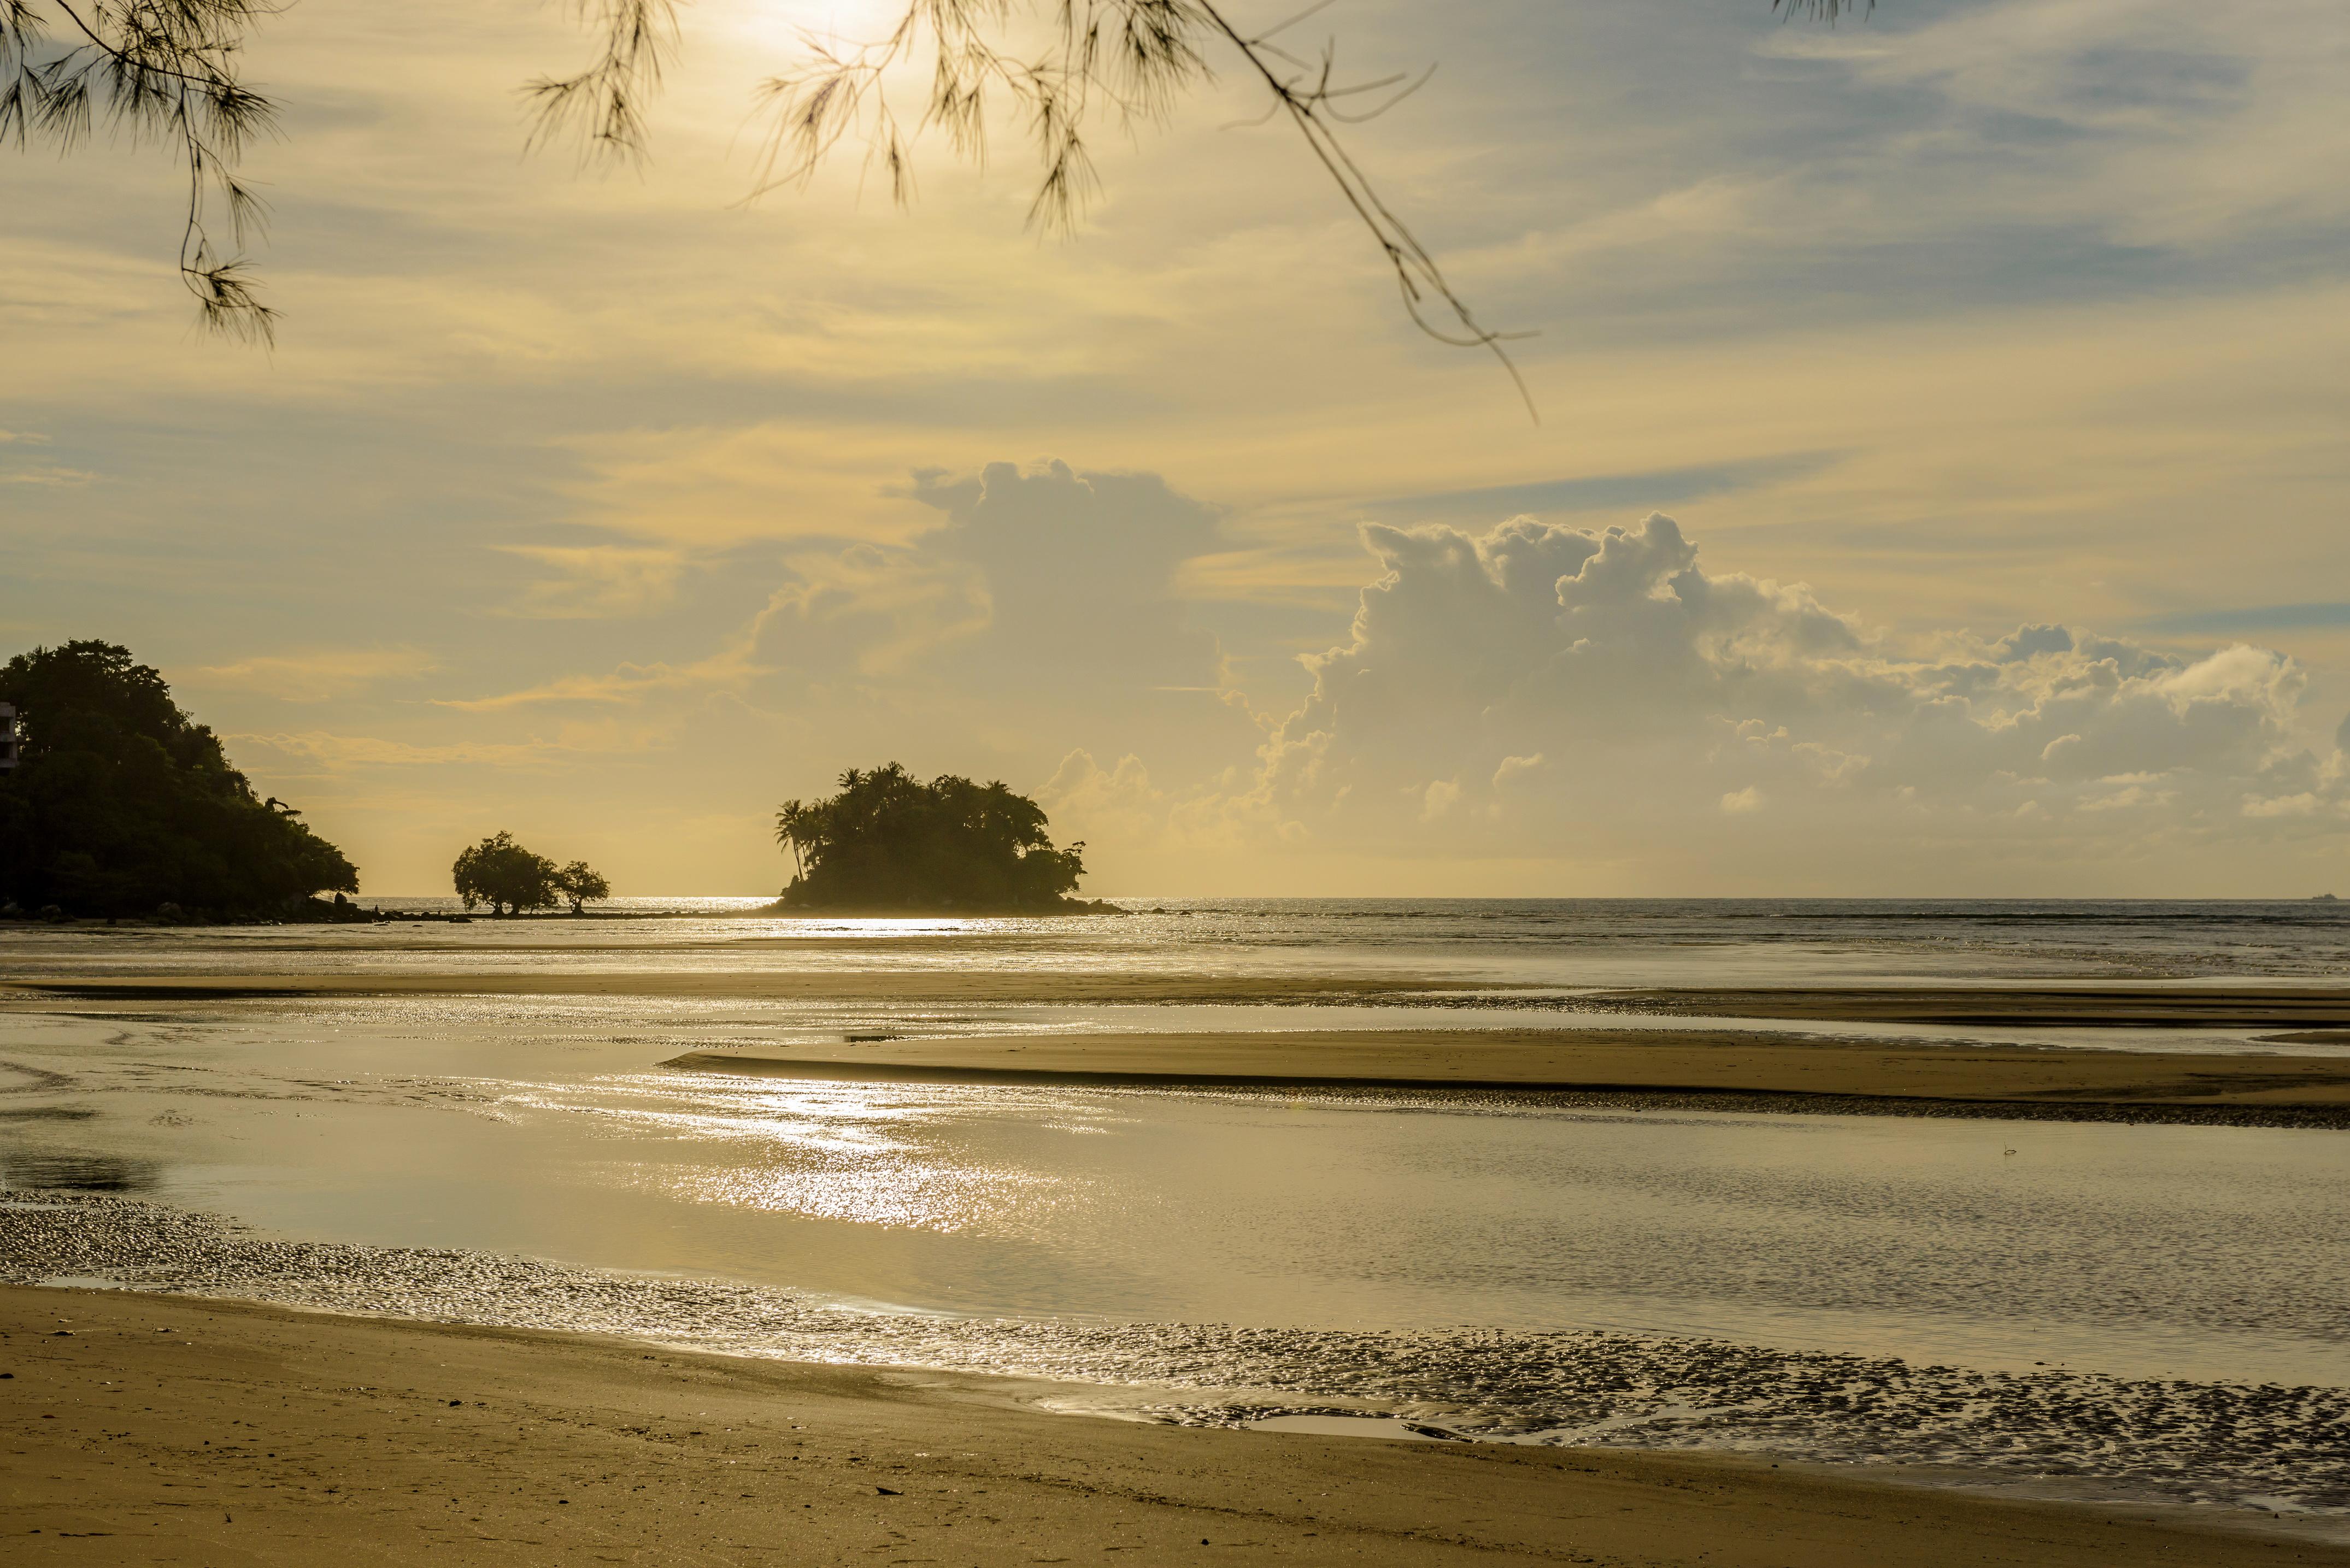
510 878
889 842
120 804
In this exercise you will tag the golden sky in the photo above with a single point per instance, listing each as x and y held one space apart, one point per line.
1987 364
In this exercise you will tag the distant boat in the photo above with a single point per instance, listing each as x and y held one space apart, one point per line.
2325 898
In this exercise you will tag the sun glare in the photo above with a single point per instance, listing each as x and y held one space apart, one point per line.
784 25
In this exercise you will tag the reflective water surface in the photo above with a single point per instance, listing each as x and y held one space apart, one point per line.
2144 1251
1564 942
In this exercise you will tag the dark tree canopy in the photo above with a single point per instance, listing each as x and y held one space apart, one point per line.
889 841
581 884
121 802
507 877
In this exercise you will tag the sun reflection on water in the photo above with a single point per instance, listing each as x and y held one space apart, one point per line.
822 1151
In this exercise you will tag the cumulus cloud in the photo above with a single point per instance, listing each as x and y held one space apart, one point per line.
1654 694
1087 800
1035 581
1080 569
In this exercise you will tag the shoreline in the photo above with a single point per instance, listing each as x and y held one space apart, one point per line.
243 1433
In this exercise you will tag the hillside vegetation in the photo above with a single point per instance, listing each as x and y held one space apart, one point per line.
122 804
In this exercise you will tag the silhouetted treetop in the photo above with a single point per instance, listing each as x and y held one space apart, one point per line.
510 878
889 841
580 885
120 801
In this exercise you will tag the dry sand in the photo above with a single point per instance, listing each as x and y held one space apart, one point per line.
1689 1059
154 1431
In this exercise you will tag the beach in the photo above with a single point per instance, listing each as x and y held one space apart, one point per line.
150 1430
1671 1247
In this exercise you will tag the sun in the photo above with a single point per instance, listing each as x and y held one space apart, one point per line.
784 25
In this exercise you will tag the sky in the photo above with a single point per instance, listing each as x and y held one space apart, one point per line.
1938 488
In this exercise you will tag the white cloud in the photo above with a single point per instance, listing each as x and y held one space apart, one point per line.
1037 579
1087 801
1656 695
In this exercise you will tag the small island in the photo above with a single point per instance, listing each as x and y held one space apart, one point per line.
890 844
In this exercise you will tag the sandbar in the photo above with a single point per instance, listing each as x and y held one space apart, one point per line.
139 1429
1700 1061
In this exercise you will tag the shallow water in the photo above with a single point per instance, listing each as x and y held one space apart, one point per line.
2145 1251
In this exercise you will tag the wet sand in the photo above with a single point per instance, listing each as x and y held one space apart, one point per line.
141 1429
1717 1061
914 985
